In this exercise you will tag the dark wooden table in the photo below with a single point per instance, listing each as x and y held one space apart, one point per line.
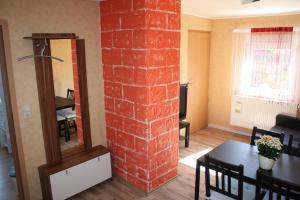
286 167
62 103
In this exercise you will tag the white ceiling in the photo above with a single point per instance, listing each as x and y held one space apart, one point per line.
234 8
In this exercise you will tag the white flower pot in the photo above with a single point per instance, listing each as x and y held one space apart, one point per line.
265 163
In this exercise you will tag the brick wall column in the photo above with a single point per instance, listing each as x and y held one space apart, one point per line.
140 42
76 92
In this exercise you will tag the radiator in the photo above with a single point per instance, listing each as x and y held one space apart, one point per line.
249 112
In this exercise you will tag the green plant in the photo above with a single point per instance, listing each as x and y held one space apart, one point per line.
269 146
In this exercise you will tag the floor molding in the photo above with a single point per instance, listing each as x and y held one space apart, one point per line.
223 128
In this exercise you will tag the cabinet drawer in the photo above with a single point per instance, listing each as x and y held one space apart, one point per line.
80 177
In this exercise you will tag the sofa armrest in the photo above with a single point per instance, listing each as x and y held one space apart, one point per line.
288 121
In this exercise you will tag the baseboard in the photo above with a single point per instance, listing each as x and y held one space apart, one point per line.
223 128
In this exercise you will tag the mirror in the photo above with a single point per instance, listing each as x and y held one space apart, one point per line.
67 94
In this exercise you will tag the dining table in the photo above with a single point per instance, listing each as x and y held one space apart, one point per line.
286 168
63 103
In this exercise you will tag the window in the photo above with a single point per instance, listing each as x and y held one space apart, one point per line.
266 65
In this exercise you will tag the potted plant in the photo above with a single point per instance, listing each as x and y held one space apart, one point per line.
269 149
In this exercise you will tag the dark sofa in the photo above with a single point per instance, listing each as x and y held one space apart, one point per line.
289 125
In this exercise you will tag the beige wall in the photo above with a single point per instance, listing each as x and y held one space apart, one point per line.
34 16
188 23
221 59
62 71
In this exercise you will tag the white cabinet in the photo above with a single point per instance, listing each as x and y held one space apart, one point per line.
78 178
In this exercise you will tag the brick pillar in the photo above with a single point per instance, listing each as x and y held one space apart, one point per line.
76 92
140 51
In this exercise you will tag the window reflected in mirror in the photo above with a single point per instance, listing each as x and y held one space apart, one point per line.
66 89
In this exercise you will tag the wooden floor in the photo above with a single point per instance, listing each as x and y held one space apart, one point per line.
70 144
8 185
182 187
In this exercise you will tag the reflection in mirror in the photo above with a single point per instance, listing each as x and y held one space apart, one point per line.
67 97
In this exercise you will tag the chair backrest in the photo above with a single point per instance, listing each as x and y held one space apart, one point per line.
70 94
183 101
227 172
275 186
257 133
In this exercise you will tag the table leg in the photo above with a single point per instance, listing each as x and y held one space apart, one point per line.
187 135
197 181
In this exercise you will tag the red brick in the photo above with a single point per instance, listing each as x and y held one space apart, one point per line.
119 172
136 128
112 89
136 159
125 140
157 94
118 163
124 108
110 22
73 44
122 39
174 106
137 182
163 168
134 58
141 112
75 70
105 7
174 21
142 173
118 151
139 39
163 141
74 57
140 145
152 147
111 56
109 104
121 5
115 121
156 58
133 20
110 134
167 5
173 90
106 39
144 4
172 57
156 19
172 122
136 94
108 73
131 168
158 127
124 74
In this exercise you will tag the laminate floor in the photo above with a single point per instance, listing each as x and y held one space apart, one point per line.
180 188
8 185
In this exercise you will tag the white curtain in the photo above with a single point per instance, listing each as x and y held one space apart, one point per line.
266 64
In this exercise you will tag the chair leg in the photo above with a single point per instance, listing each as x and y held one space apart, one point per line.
187 135
67 133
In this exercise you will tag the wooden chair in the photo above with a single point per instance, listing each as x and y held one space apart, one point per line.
70 94
62 123
276 188
227 172
257 133
69 113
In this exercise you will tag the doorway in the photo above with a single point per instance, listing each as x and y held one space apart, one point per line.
10 177
198 65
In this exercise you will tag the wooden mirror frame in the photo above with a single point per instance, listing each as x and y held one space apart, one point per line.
45 85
